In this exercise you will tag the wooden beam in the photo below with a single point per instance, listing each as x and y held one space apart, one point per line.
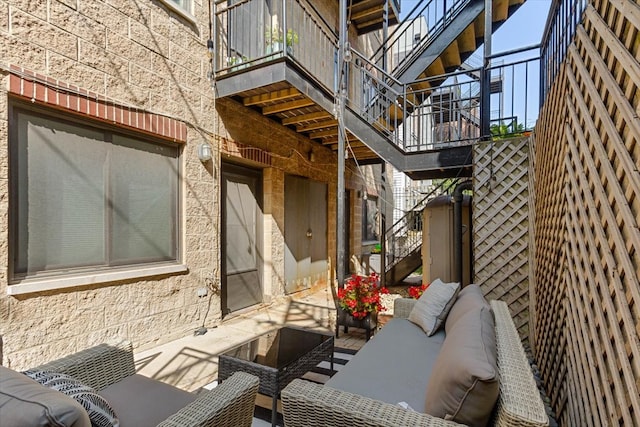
317 125
322 133
318 115
436 68
366 13
467 40
500 10
278 95
451 57
286 106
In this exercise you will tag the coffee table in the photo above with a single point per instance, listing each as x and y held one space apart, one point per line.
277 358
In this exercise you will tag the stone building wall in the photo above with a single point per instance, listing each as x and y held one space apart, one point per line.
143 56
140 57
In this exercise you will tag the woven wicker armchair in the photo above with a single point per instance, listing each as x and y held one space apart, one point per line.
230 404
306 404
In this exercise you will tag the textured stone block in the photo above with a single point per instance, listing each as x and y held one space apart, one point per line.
36 8
75 23
125 47
70 71
109 63
36 31
105 15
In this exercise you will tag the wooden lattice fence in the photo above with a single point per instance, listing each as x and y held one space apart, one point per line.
501 225
586 291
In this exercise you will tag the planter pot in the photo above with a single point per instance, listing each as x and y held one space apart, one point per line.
346 320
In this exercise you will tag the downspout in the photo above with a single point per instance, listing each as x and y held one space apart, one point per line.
457 226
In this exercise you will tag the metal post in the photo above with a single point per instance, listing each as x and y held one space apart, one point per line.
385 34
485 105
383 223
340 99
383 195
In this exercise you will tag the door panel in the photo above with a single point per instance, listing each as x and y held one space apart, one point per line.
305 232
241 258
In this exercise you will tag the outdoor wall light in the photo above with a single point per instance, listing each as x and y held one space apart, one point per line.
204 152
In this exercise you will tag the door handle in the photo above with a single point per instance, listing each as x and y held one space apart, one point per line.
309 233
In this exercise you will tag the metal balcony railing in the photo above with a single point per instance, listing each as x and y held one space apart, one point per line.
445 114
564 17
252 32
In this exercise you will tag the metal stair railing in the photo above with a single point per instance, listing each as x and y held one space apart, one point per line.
425 21
403 238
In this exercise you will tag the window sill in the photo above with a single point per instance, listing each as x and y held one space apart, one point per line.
29 286
180 11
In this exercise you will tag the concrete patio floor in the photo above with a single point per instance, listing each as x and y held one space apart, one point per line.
191 362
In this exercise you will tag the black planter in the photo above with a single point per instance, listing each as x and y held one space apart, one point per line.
346 320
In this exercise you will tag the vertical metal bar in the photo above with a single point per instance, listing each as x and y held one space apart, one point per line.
485 105
284 27
340 222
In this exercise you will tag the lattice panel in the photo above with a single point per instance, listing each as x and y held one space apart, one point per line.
501 225
587 216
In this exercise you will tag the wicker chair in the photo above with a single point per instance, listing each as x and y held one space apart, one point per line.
306 404
230 404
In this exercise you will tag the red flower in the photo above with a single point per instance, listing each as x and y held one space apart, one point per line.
416 291
361 295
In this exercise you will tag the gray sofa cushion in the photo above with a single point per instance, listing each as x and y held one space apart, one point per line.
24 402
470 297
394 366
140 401
464 384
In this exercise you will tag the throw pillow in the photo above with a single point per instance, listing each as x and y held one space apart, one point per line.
464 383
24 402
432 307
470 297
100 412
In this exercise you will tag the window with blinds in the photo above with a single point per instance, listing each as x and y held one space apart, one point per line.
89 198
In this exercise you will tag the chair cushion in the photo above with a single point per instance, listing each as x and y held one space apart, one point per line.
464 384
394 366
141 402
100 412
469 297
431 309
24 402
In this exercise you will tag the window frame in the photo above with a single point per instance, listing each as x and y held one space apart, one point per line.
22 283
187 14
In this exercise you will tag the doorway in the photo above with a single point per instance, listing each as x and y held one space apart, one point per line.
241 257
305 235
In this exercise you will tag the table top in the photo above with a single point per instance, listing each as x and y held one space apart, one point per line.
277 349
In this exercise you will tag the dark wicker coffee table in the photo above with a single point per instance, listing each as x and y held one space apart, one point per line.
277 358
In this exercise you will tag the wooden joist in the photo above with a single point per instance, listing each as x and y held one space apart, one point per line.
279 95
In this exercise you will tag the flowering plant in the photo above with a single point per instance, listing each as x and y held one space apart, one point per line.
361 295
416 291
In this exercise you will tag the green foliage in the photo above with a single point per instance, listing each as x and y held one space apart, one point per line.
502 131
275 35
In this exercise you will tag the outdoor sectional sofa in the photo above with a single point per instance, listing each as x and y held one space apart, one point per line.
394 369
137 401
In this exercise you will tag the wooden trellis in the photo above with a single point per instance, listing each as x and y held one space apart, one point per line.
586 192
501 225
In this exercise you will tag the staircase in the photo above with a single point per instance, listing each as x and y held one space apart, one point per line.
404 239
425 51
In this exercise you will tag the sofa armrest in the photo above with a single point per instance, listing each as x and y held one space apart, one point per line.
519 402
98 366
230 404
307 404
402 307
